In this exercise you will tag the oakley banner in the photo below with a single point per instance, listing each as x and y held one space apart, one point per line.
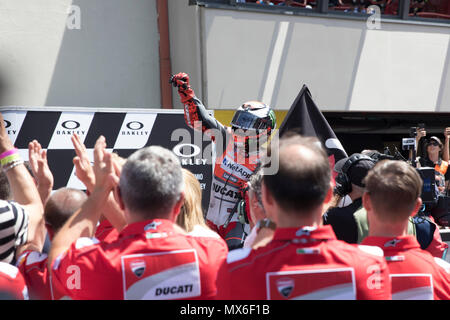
125 132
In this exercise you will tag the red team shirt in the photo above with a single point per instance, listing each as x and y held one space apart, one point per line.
415 273
153 260
437 247
33 266
12 283
306 263
106 232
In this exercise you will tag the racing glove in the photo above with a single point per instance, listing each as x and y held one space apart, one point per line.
181 80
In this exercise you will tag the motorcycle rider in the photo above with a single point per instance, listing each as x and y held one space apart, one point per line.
238 155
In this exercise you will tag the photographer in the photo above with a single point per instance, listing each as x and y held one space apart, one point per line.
435 156
420 142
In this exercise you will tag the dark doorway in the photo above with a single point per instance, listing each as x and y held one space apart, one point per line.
369 130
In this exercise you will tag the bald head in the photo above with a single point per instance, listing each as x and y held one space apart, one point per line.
61 205
303 179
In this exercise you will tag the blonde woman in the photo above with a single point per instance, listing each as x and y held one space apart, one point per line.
191 216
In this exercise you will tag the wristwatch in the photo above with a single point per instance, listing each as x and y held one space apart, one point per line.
265 223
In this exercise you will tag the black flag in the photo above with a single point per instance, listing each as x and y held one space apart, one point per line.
306 118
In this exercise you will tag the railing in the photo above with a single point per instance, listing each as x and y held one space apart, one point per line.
437 11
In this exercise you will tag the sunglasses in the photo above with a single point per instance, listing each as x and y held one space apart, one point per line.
433 143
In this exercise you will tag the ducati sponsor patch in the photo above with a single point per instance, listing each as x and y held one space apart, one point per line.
161 276
138 267
320 284
285 287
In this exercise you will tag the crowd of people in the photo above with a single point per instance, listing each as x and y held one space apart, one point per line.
347 6
362 6
139 231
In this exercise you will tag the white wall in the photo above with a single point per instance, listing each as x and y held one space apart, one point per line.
184 30
232 56
112 61
402 67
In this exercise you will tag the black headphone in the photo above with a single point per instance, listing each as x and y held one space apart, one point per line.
343 182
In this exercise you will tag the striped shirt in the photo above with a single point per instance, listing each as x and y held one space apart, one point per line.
13 229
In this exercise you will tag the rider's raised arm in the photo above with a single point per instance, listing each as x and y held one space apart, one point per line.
195 113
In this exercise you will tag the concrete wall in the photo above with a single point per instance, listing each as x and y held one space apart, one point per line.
185 45
111 61
249 55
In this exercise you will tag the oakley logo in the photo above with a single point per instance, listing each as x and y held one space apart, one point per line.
135 125
71 125
7 124
180 149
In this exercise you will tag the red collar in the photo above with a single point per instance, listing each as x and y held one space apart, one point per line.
395 244
152 226
305 233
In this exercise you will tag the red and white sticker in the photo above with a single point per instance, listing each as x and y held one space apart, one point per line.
412 286
327 284
161 276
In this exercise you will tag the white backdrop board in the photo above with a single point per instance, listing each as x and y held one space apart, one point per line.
125 132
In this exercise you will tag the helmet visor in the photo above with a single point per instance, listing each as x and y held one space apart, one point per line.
246 120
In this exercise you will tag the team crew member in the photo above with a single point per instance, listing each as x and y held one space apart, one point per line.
33 264
304 260
350 223
152 258
12 283
238 155
21 222
392 195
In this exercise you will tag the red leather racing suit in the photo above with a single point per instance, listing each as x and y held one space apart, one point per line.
231 169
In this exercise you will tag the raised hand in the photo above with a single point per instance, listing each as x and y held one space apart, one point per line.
41 171
421 132
447 133
83 167
106 177
181 80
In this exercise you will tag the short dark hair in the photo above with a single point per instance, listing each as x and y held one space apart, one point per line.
393 187
303 179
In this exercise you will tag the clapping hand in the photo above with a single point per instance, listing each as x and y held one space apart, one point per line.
105 169
83 167
41 171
